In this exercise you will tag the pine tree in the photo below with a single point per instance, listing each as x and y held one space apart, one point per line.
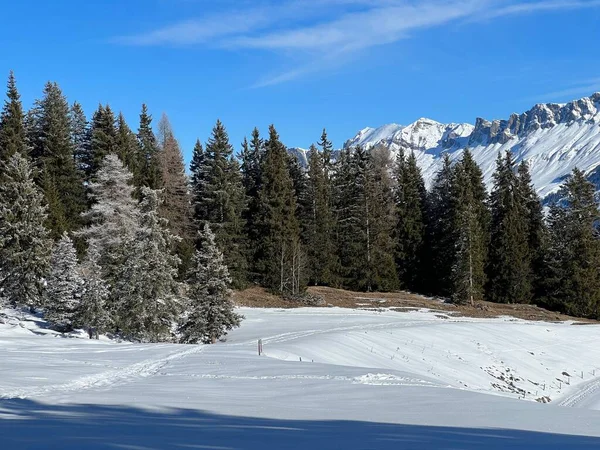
113 218
24 243
92 312
441 232
126 144
147 167
211 311
536 230
471 220
52 151
279 229
63 292
12 127
80 139
220 200
411 213
509 265
146 291
103 139
574 260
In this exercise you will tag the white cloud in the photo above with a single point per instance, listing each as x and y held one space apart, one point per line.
322 29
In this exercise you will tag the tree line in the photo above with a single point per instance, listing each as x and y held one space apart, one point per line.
355 219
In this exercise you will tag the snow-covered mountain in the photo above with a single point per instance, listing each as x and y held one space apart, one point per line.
553 138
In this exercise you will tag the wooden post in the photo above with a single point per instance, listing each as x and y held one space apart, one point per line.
259 347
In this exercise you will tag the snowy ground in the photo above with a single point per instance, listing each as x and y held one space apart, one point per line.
329 378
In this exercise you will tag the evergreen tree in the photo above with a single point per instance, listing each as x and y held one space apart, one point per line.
103 139
146 291
251 165
509 265
113 218
52 151
220 201
441 232
92 313
574 260
176 201
63 292
318 221
411 213
470 223
126 144
24 243
147 167
279 229
80 139
211 311
12 127
536 230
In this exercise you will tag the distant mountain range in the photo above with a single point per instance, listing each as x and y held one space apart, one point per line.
553 138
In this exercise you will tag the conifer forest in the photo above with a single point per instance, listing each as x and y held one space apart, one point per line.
103 227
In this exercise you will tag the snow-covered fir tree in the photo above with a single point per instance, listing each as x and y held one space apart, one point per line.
24 242
113 217
62 296
146 290
92 313
211 311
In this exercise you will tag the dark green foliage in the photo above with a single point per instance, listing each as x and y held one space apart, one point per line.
365 221
411 213
147 170
219 199
318 221
509 265
471 219
103 139
278 257
12 128
80 139
441 233
53 155
574 255
126 145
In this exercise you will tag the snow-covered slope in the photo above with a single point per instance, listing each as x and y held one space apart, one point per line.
553 138
329 378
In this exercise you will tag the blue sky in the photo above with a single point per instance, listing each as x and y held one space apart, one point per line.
304 64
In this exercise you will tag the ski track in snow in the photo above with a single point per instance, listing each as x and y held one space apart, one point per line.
122 375
583 395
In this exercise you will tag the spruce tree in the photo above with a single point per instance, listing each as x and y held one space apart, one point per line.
278 226
509 265
147 167
113 218
574 260
176 201
12 127
92 313
211 311
63 292
441 232
103 139
411 213
52 151
219 201
80 139
471 225
126 144
24 242
537 232
146 293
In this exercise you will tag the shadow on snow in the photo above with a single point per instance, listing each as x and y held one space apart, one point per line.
25 424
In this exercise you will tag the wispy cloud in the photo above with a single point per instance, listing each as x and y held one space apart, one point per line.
321 30
576 89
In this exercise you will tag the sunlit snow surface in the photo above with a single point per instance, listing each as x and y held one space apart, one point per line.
329 378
